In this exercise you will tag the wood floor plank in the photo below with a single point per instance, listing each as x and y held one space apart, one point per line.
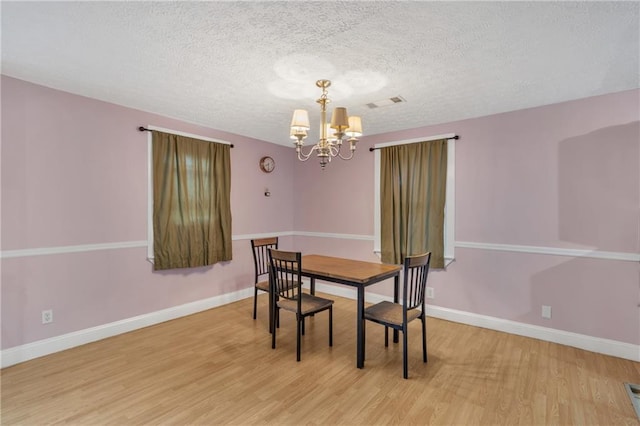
217 367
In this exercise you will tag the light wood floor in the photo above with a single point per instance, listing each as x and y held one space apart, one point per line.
217 367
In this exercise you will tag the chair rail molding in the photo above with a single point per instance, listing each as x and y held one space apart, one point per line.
555 251
8 254
41 251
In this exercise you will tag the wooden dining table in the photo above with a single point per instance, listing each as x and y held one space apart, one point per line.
354 273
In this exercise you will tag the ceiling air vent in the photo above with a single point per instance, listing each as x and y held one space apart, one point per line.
386 102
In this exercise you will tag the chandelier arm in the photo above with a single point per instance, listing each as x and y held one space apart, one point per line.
304 157
346 158
334 150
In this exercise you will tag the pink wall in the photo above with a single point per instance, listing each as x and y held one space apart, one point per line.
566 175
338 199
559 176
74 172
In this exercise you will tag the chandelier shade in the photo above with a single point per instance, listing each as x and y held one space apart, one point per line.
300 120
331 133
355 127
339 119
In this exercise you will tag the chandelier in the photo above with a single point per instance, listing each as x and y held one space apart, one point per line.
331 134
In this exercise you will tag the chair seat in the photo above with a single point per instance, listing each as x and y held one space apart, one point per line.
263 285
309 304
389 313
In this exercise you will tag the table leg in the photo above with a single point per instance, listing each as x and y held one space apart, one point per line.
396 299
360 328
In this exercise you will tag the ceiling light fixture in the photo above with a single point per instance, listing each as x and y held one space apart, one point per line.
331 134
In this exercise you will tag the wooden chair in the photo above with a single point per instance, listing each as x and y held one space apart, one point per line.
260 249
286 293
398 316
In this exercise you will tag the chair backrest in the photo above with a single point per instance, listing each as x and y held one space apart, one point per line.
260 248
416 269
286 278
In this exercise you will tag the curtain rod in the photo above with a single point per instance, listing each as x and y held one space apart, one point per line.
143 129
373 148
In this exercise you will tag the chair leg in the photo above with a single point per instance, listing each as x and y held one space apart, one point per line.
424 339
300 322
276 314
405 364
386 336
331 326
271 320
255 301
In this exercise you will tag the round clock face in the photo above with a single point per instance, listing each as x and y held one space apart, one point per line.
267 164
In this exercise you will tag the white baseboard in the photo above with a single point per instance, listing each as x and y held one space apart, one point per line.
580 341
52 345
44 347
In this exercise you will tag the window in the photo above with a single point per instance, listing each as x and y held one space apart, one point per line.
189 213
449 217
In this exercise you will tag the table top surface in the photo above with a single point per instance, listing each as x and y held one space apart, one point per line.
356 271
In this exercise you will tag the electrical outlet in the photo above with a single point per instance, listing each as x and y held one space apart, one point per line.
430 293
546 311
47 316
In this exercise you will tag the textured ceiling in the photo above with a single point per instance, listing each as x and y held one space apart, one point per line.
243 67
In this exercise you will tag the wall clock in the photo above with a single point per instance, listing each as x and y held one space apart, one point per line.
267 164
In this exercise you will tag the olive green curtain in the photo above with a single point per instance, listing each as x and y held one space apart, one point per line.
191 202
413 181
